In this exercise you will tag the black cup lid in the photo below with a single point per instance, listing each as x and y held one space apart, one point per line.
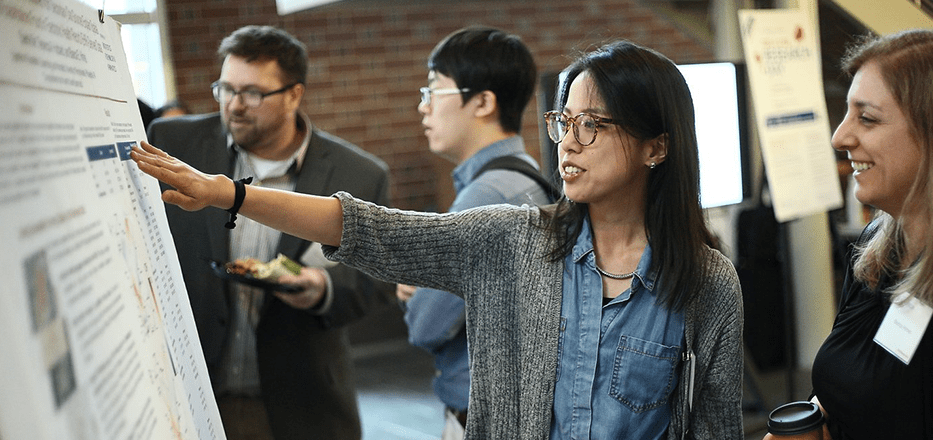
795 418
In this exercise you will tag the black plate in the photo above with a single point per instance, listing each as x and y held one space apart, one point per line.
220 269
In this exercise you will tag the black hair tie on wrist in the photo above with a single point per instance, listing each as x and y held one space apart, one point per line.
238 196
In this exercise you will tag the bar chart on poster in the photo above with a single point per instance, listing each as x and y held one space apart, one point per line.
99 341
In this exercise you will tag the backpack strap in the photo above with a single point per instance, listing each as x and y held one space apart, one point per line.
515 163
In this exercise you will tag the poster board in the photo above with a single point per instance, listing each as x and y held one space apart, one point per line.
786 81
99 340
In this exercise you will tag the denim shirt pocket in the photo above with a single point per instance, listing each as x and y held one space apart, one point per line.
644 373
560 345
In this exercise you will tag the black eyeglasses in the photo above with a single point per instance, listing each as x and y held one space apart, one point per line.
223 94
585 126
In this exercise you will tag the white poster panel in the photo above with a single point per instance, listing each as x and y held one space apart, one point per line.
784 71
99 339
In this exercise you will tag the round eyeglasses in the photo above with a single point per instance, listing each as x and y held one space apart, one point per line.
426 93
585 126
224 93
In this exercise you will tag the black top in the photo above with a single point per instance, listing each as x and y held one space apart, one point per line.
867 392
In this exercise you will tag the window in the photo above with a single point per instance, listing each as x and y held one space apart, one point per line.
145 44
286 7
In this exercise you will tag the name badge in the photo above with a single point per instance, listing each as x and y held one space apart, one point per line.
903 327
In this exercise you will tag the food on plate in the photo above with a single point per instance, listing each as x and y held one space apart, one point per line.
271 271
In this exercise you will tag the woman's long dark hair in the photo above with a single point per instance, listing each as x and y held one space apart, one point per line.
646 91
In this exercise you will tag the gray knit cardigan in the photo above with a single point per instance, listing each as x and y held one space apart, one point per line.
493 257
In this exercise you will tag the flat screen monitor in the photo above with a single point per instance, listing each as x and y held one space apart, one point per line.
719 104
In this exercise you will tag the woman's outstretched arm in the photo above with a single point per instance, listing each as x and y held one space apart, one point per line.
312 218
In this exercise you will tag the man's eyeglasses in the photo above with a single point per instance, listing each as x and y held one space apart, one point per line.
585 126
223 94
426 93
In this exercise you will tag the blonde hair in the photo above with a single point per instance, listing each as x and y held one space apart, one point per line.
906 63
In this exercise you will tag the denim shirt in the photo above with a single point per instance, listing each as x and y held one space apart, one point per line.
618 364
436 319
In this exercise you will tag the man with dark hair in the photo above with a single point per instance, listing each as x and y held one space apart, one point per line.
480 80
278 362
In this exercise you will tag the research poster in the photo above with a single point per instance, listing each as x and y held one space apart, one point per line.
99 341
784 70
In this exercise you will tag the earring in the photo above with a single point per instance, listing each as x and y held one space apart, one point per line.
653 165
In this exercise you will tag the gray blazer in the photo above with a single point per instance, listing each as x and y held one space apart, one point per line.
494 258
304 364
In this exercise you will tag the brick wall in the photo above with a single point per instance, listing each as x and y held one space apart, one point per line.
367 61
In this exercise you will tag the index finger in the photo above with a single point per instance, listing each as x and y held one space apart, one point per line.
149 148
155 162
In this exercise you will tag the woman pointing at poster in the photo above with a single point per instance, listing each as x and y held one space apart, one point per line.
606 315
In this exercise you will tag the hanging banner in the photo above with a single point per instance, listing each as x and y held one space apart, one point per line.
785 74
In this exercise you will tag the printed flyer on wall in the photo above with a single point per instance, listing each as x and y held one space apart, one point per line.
784 70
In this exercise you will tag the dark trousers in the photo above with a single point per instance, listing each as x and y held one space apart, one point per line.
244 418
